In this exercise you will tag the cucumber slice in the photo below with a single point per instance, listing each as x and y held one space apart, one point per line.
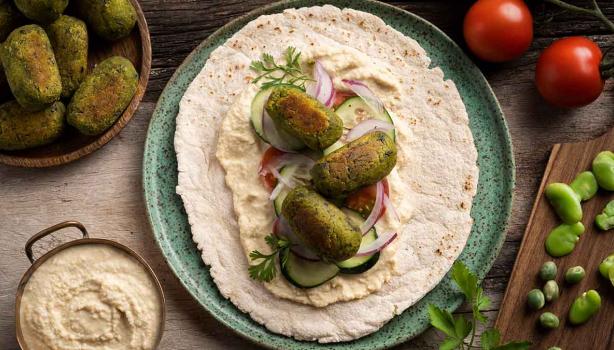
256 112
304 273
354 110
281 137
359 264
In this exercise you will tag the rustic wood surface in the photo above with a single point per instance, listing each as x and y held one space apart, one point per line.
72 145
104 190
515 319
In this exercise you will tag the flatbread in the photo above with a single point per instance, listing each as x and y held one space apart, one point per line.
442 180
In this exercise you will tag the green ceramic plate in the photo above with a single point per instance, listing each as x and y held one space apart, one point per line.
490 211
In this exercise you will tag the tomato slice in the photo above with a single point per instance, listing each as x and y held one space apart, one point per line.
341 96
270 157
363 199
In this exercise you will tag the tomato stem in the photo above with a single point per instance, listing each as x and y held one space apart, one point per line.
595 11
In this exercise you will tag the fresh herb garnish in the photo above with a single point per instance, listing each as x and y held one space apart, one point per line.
459 328
265 270
273 74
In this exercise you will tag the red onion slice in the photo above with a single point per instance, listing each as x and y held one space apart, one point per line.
283 230
378 245
286 180
391 209
362 90
323 89
376 211
301 161
277 190
368 126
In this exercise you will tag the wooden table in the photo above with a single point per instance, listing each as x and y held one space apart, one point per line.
104 190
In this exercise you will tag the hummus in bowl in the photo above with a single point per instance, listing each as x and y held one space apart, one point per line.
90 294
431 186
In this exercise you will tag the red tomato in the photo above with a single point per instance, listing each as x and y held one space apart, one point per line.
269 157
363 199
341 96
498 30
567 72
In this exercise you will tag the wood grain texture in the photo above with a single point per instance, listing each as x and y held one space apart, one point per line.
72 145
515 319
104 190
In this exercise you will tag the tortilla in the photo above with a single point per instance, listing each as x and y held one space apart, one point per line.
442 182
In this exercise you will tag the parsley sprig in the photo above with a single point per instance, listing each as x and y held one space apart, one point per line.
273 74
458 329
265 270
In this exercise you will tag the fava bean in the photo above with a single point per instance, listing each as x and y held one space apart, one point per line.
549 320
562 240
606 266
603 168
548 271
574 274
565 201
536 299
551 291
554 348
605 220
584 307
585 185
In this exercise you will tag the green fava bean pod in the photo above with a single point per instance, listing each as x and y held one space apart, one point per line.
548 271
549 320
584 307
565 201
574 274
562 240
536 299
603 168
551 291
585 185
606 266
605 220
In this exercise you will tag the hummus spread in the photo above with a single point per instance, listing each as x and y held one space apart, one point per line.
239 150
91 296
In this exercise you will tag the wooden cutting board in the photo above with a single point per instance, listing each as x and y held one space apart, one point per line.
516 321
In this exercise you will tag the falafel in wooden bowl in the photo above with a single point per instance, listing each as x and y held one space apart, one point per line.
72 76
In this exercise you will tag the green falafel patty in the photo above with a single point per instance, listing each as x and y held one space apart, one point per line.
304 117
103 96
68 37
361 162
320 225
31 68
42 11
109 19
20 129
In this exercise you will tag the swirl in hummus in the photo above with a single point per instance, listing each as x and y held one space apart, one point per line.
90 296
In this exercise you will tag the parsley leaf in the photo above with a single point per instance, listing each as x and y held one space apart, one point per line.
490 339
458 329
450 344
442 320
265 271
465 279
272 74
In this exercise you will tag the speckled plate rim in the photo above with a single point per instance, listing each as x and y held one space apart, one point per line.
491 209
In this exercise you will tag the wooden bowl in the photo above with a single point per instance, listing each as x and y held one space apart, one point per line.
73 145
